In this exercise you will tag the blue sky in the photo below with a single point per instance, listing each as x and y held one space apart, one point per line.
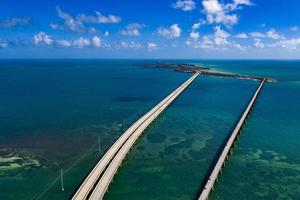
204 29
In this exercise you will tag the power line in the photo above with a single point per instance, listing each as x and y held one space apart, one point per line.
48 186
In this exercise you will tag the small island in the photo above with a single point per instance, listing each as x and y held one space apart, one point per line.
193 68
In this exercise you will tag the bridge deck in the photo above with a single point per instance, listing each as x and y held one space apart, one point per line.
225 153
112 159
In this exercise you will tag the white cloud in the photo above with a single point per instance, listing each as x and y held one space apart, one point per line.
106 45
197 25
220 37
42 38
258 43
93 30
87 18
216 13
239 46
204 43
257 34
130 44
292 44
191 44
193 40
294 28
98 18
237 4
110 19
13 22
242 36
242 2
207 43
77 23
212 6
55 26
273 34
194 35
219 13
262 25
132 29
219 40
96 41
69 21
173 31
3 44
152 46
227 20
81 42
64 43
185 5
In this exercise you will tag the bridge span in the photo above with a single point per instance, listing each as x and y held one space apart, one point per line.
96 183
227 149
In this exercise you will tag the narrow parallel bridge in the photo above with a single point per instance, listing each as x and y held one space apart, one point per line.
96 183
213 178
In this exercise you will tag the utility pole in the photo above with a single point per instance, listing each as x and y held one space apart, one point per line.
124 126
62 180
99 144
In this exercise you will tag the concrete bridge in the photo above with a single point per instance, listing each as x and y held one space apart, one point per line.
96 183
227 149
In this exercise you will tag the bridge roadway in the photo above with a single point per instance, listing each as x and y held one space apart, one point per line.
226 151
98 180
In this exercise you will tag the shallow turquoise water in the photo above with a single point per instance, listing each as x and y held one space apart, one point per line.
52 112
172 158
266 162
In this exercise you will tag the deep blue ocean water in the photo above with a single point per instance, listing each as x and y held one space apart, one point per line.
52 113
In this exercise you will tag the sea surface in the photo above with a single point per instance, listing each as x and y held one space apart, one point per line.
62 115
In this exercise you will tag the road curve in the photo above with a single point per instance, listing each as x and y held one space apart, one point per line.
104 164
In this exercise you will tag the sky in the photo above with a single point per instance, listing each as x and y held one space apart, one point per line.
179 29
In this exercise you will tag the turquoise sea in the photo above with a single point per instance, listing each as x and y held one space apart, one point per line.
53 112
